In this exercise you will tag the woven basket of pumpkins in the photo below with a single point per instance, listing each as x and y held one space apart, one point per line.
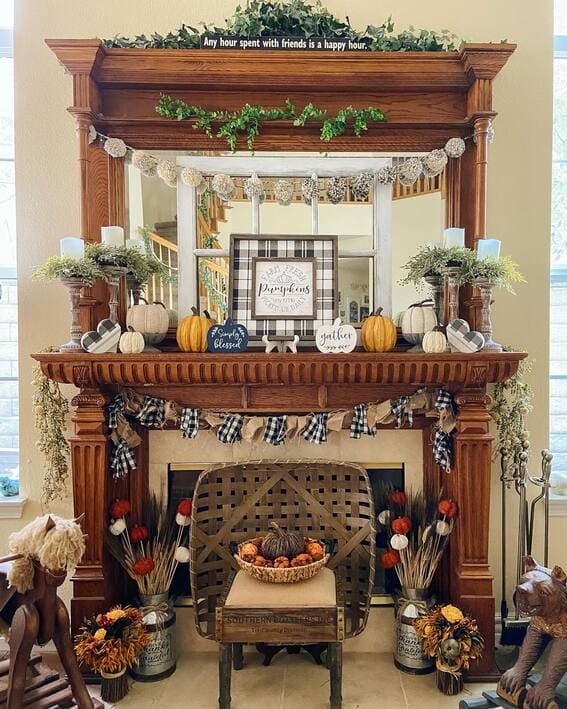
281 556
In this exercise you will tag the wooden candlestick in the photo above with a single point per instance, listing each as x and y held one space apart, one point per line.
74 285
436 285
451 286
113 275
485 287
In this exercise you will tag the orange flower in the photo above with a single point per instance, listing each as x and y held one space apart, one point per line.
184 507
143 566
120 508
448 508
389 559
398 497
138 533
401 525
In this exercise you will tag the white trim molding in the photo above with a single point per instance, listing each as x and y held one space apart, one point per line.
12 507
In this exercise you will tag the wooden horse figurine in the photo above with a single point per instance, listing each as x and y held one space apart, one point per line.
41 616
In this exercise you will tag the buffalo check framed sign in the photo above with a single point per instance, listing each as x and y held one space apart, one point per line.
283 286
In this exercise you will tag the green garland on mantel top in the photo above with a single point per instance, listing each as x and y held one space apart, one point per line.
296 18
249 119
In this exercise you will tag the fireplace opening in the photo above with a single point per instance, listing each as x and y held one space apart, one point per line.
181 481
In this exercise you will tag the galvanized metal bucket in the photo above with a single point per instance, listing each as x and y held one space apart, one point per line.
408 655
159 658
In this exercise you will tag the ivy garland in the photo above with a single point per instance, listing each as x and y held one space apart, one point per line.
296 18
249 119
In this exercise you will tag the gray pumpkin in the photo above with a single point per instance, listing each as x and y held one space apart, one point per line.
279 542
450 649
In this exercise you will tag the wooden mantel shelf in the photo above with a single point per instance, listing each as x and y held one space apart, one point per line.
275 382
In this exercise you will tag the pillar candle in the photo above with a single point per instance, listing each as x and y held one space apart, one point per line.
453 237
112 235
488 248
135 243
72 246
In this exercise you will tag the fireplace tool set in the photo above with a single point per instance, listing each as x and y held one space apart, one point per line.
514 474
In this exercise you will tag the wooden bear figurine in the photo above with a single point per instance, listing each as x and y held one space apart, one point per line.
541 594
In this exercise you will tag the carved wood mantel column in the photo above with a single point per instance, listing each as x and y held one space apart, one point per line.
469 483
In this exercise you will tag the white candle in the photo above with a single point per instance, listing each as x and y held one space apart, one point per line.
72 246
488 248
453 237
135 243
112 235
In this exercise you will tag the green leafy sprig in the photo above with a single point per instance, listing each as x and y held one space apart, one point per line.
296 18
141 266
249 119
67 267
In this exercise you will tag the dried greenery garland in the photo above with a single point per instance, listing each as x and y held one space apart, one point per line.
296 18
67 267
141 266
50 409
511 403
249 119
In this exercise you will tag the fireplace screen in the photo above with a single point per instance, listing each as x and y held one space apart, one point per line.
181 484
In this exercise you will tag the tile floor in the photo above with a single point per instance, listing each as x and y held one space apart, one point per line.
370 681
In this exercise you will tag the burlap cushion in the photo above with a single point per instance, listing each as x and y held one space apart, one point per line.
317 592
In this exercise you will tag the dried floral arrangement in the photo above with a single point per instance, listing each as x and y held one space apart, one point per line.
67 267
453 639
296 18
248 121
150 552
511 403
418 526
50 410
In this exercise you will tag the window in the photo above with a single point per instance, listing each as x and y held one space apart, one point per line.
8 290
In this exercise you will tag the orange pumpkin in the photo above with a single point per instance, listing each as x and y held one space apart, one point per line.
260 561
302 560
192 332
315 550
378 333
282 562
248 549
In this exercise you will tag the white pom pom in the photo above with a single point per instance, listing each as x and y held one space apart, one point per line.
224 186
182 555
384 517
387 174
442 528
360 185
309 189
455 147
191 177
117 526
115 147
434 163
145 163
182 520
254 187
409 172
167 170
399 541
336 189
283 192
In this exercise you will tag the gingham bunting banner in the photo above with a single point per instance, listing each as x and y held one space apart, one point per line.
316 429
401 410
276 430
189 424
115 408
230 429
359 423
152 414
444 400
122 459
442 449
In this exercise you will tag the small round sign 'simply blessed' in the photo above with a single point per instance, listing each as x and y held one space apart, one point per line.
335 338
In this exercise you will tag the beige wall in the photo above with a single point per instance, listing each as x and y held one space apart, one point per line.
48 179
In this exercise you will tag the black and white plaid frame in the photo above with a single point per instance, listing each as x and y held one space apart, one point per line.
244 247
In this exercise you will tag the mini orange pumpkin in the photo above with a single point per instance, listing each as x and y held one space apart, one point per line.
192 332
315 550
248 549
260 561
250 558
282 562
302 560
378 333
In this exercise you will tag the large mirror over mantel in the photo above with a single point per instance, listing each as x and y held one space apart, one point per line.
378 226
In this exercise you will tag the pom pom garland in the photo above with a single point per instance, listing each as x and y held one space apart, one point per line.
386 175
434 163
167 170
191 177
336 189
115 147
224 186
360 186
309 189
145 163
409 172
93 135
455 147
283 192
254 187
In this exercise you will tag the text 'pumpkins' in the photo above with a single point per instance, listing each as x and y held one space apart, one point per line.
192 332
378 333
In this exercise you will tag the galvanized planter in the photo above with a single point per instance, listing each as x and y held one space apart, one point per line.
159 659
408 655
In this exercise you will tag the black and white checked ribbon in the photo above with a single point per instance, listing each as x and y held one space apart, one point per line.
359 423
316 429
152 413
276 430
115 407
442 449
400 411
189 424
230 429
122 459
444 400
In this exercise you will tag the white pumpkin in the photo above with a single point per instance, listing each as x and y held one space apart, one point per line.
151 319
131 342
418 319
434 341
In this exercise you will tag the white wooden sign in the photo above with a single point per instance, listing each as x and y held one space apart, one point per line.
284 288
335 338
